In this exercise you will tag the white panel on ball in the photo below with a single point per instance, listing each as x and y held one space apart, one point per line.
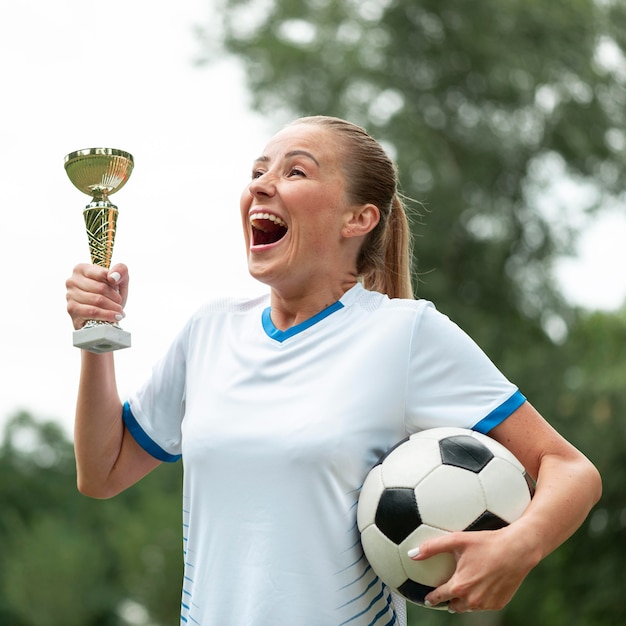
506 489
450 498
406 466
383 556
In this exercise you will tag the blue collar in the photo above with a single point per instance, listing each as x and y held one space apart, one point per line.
282 335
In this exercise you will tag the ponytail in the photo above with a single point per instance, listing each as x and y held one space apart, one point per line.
385 259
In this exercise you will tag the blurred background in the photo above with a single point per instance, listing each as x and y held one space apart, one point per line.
507 119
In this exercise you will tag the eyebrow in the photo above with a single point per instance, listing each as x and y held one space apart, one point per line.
289 155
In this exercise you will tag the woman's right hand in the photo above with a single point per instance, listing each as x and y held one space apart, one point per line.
96 293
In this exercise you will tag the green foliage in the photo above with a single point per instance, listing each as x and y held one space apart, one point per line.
70 560
50 571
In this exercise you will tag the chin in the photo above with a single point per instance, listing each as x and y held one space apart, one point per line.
260 273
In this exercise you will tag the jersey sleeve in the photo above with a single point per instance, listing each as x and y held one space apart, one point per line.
154 414
451 381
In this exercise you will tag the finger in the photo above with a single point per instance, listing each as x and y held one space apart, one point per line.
453 595
91 297
90 307
450 542
87 285
118 274
454 606
441 596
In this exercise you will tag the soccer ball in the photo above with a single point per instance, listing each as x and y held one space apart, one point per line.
437 481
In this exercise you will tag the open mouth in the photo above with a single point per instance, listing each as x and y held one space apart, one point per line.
267 228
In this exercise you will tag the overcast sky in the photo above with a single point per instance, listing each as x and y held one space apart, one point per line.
79 74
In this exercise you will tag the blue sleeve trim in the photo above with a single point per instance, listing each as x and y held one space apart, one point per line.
499 414
144 440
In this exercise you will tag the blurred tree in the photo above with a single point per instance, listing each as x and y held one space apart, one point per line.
507 119
67 559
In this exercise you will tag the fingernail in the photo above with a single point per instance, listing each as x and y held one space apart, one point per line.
427 603
413 552
450 609
120 316
115 276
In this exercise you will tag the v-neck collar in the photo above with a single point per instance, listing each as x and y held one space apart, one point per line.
282 335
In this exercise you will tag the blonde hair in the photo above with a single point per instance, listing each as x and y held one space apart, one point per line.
384 262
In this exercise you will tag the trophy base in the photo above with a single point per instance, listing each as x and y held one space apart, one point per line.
100 338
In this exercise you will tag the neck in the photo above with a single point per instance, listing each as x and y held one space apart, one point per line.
290 309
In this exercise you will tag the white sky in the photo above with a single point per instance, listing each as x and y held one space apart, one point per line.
78 74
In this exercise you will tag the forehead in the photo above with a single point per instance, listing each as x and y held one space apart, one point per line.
322 143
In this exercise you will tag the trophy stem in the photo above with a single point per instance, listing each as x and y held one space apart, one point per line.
100 222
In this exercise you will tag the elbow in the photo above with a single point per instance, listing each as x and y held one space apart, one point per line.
96 490
589 476
596 482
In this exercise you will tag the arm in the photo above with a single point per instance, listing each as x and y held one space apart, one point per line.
108 459
568 485
491 565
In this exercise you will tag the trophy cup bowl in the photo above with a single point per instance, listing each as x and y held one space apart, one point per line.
99 173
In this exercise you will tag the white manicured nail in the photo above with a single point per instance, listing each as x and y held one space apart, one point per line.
115 276
413 552
427 604
120 316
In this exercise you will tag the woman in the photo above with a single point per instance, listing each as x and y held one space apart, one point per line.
280 405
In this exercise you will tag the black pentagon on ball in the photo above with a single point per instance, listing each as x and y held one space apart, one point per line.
487 521
397 515
416 592
465 452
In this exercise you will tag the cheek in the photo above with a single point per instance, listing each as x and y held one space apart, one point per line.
245 199
324 236
244 207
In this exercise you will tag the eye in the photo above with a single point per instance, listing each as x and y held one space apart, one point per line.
257 174
296 171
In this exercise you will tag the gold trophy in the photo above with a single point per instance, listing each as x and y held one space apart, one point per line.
100 172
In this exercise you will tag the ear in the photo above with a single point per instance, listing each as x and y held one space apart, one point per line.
361 220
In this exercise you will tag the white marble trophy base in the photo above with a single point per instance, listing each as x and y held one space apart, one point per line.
99 338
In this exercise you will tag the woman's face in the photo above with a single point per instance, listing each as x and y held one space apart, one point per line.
295 209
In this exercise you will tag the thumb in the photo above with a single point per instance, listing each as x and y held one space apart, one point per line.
118 277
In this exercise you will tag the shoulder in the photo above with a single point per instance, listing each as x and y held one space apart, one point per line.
374 301
214 314
418 317
230 306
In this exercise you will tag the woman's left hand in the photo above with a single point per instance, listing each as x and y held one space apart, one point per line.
490 567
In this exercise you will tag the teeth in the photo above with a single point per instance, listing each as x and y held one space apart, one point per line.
268 216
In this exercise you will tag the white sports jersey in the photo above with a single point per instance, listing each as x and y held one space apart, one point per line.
277 431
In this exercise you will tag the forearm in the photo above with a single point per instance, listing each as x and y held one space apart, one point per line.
98 430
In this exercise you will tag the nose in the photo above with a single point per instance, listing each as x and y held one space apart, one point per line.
263 185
